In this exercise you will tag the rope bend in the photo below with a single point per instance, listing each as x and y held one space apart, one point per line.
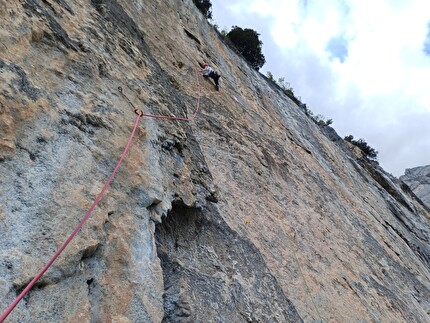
140 114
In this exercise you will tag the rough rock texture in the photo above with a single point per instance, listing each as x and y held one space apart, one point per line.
249 213
418 179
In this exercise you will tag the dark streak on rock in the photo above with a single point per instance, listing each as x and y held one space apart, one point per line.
420 248
114 13
59 33
192 36
83 121
22 82
65 5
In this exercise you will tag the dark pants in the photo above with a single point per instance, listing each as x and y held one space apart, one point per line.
215 77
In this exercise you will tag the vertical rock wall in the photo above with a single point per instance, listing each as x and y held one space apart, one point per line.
418 179
250 212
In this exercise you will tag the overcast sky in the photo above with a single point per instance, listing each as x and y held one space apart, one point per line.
363 63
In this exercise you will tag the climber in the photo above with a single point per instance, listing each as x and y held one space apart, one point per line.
209 72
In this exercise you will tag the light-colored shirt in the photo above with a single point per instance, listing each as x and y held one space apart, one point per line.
208 70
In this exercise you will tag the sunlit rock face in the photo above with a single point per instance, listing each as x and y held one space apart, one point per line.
249 213
418 179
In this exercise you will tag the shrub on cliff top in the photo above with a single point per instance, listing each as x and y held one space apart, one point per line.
248 44
205 7
360 143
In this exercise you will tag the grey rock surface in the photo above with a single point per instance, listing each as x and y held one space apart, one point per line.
249 213
418 179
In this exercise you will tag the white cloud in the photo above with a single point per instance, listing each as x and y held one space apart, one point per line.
383 80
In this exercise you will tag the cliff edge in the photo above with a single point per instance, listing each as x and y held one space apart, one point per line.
418 179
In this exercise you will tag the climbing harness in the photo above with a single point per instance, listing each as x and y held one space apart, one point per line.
140 115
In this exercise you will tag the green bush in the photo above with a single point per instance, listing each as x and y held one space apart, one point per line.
285 86
205 7
321 121
360 143
288 90
270 77
248 44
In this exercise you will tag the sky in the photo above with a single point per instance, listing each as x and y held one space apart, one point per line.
365 64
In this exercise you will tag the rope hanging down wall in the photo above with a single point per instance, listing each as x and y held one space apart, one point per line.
140 114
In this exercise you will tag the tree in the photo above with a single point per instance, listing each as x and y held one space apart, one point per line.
270 77
321 120
248 44
360 143
205 7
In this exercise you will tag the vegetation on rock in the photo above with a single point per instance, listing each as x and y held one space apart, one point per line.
360 143
205 7
289 91
248 44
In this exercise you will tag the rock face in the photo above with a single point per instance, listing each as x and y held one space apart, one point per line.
418 179
249 213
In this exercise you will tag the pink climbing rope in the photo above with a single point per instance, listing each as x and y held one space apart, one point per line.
140 114
75 232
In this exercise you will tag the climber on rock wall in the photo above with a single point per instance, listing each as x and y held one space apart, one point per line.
209 72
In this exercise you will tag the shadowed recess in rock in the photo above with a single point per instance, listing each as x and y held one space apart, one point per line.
210 271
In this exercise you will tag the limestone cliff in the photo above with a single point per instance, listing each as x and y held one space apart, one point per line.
418 179
249 213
